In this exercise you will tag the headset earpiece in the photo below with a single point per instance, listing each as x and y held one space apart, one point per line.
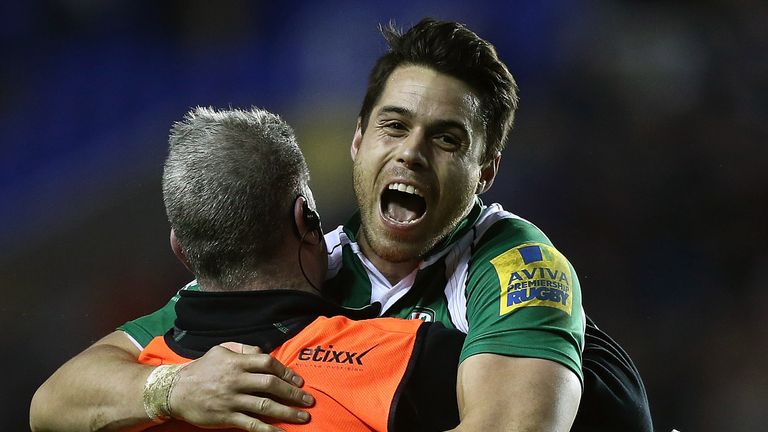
311 218
312 224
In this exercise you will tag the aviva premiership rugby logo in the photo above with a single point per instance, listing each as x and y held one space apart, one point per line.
533 274
422 313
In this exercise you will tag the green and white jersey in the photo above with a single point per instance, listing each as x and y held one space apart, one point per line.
497 278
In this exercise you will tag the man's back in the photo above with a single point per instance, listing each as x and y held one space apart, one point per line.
362 373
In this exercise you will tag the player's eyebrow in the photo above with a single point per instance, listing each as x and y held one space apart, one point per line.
387 109
437 125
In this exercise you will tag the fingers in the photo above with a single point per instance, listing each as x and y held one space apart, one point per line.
236 384
245 422
275 387
268 377
266 364
240 348
265 407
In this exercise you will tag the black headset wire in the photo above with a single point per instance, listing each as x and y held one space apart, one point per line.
301 265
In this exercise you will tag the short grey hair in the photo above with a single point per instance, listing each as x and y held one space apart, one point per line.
229 184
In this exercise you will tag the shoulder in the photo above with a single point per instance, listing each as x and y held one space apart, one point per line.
501 236
514 259
144 329
498 230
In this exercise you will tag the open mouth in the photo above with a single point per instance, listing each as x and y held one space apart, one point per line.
403 203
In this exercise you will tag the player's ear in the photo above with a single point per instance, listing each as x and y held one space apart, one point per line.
488 174
176 247
357 139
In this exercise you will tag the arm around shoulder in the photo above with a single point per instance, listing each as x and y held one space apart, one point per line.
99 389
503 393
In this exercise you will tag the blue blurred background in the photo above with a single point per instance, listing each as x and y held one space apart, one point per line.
640 148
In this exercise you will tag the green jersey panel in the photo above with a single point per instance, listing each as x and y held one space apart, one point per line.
523 298
146 328
498 279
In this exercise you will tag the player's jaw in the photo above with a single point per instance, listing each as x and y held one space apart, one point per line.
396 212
401 220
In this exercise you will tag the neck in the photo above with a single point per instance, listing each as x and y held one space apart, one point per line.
393 271
260 282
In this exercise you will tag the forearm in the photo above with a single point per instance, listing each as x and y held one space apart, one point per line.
100 389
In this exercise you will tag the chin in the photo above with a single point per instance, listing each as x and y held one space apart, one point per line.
397 256
403 249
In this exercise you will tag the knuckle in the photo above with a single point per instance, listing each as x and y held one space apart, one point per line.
296 393
257 426
287 374
266 361
252 425
215 351
271 381
263 405
230 363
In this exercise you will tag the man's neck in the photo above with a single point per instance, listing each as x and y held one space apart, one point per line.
393 271
261 284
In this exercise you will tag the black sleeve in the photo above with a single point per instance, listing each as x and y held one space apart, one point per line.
428 397
614 397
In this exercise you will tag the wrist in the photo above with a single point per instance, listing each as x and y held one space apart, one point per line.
157 391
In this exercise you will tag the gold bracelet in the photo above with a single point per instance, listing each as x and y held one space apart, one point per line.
157 391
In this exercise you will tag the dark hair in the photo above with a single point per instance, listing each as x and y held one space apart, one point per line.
452 49
228 182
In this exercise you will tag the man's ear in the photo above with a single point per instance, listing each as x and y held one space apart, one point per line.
176 247
307 221
488 174
357 139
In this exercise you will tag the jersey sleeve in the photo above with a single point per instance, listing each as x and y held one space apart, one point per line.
428 398
147 327
614 398
523 298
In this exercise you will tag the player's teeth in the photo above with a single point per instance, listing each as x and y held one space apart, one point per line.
404 188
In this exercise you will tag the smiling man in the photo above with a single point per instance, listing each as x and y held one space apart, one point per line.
435 118
417 166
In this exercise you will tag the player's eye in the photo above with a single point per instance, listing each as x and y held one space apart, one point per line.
393 128
448 142
394 125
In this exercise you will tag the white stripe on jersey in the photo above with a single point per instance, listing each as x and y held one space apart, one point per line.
459 259
457 262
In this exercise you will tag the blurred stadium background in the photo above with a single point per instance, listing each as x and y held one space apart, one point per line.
640 148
